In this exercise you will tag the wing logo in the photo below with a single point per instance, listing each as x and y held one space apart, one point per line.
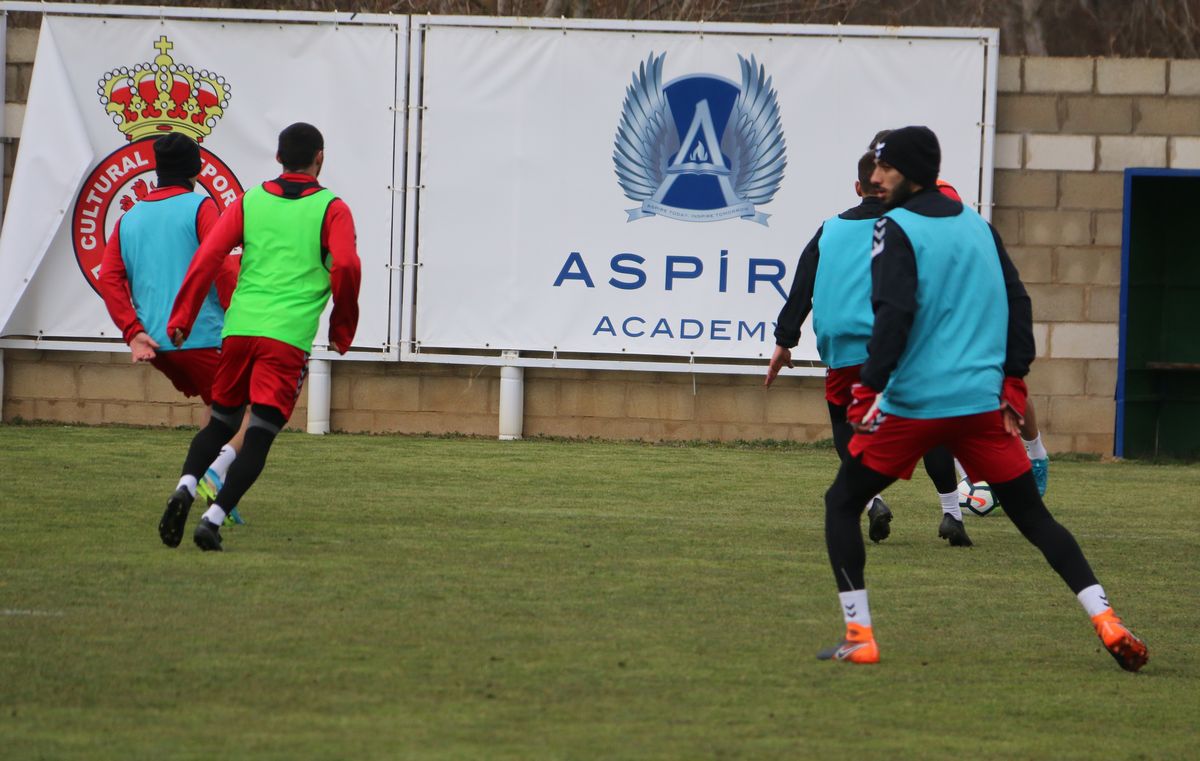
701 148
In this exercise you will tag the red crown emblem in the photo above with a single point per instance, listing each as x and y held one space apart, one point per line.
152 98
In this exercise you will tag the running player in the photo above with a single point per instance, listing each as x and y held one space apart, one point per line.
951 342
142 268
298 249
833 280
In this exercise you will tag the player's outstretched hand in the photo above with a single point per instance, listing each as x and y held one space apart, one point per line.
142 347
178 338
780 358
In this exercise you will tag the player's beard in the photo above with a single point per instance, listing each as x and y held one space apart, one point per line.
903 191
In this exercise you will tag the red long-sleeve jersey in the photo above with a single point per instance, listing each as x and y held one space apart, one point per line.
337 237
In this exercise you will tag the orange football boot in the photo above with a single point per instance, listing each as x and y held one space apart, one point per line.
1129 651
858 646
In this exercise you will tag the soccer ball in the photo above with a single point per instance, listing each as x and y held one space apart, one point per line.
976 497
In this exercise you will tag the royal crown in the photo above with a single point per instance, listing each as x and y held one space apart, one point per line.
155 98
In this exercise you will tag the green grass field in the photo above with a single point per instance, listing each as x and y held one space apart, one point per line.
425 598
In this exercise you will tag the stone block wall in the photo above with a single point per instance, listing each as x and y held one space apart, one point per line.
91 388
376 397
1066 128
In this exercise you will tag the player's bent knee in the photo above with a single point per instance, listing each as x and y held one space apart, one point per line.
228 417
838 497
267 418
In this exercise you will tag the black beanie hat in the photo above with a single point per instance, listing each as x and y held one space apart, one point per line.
176 157
915 152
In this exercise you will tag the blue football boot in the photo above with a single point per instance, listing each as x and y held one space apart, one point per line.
1041 474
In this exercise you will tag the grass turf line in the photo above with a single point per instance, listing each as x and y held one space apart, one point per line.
436 598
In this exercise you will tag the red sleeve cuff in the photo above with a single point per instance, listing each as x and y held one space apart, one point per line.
132 330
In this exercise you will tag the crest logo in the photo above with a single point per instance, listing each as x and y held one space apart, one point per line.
700 149
146 101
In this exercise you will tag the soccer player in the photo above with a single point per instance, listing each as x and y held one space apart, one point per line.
298 249
1031 437
951 342
143 266
833 281
1039 459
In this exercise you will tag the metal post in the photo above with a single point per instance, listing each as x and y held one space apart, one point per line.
319 383
512 398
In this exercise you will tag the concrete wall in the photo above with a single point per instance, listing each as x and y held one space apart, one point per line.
101 387
1067 127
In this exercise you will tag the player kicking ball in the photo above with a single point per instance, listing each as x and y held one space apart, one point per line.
951 343
298 249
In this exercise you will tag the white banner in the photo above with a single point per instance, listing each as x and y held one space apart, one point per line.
649 193
102 90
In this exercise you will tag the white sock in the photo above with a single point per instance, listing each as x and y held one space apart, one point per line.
220 466
950 504
871 501
959 470
854 607
189 483
1035 448
1093 600
215 514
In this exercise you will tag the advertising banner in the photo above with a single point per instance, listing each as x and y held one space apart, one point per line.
104 88
638 192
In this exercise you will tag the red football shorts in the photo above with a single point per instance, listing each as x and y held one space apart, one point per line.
256 370
838 383
191 371
979 442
